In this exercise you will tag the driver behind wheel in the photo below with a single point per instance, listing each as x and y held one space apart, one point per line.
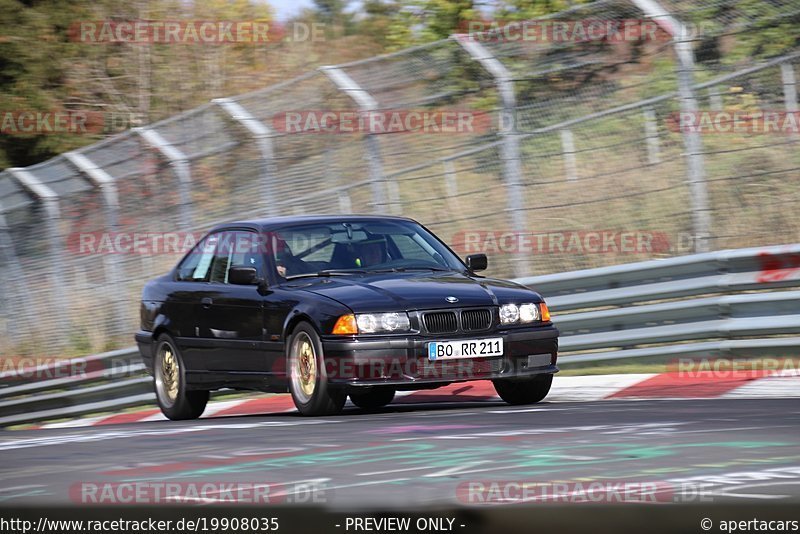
285 262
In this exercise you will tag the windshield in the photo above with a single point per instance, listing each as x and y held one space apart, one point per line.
358 247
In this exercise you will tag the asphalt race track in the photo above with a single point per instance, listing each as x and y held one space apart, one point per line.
716 451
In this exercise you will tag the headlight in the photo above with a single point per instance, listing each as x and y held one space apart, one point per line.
372 323
509 314
522 313
528 313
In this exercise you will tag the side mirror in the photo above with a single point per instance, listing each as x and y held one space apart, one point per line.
477 262
243 276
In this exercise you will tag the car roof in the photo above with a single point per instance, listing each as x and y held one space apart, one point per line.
270 223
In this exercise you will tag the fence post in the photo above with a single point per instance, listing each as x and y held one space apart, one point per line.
714 98
108 188
180 166
366 104
50 203
789 87
651 135
568 149
695 164
512 160
345 205
451 184
262 135
9 257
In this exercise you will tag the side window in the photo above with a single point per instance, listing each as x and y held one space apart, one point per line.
236 249
248 251
194 267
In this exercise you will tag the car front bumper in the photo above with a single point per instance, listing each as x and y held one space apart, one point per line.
403 362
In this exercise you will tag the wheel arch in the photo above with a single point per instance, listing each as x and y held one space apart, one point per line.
294 320
291 323
161 330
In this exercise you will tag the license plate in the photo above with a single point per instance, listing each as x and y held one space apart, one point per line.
467 348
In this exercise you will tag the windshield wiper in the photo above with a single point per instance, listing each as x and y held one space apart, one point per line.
327 272
404 269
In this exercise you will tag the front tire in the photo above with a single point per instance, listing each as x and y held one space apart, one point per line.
169 381
373 398
308 380
523 390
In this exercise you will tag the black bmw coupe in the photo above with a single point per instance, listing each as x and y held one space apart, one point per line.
326 307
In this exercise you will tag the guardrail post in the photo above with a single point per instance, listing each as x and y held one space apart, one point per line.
262 135
510 151
180 166
50 203
366 104
108 188
695 164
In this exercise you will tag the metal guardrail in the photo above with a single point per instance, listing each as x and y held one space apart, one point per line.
102 382
734 302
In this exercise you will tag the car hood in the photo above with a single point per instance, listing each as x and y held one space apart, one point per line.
417 291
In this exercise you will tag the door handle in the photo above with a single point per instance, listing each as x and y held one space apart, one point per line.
206 302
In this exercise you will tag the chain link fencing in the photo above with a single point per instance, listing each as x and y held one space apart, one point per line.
576 157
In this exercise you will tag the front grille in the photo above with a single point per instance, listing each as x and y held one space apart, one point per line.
440 322
476 319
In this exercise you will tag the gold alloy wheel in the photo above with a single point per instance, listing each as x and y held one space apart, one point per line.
304 367
168 378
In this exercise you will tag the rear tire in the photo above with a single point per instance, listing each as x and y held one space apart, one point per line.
308 379
523 390
169 381
373 398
